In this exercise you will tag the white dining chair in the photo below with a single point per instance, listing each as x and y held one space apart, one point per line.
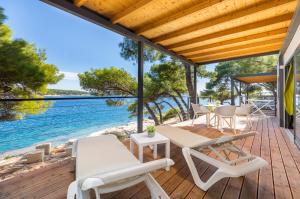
244 111
199 111
226 112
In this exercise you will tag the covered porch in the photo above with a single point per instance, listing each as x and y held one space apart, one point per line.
195 33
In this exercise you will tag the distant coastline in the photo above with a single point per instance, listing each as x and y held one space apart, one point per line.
62 92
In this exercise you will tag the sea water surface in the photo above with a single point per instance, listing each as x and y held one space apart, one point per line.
65 119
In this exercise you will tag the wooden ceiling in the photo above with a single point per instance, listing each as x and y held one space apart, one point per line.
257 78
203 30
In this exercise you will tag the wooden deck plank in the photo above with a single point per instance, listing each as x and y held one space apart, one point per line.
233 188
281 184
266 189
290 166
250 184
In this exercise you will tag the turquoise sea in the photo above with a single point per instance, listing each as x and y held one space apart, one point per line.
64 120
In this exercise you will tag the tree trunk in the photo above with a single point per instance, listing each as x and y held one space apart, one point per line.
189 85
151 112
174 109
183 113
182 100
159 111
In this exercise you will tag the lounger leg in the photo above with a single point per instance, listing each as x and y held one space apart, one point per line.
234 123
249 122
193 119
131 146
97 193
207 119
168 153
155 189
202 185
72 190
141 148
155 151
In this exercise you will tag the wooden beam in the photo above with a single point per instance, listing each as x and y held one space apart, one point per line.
191 10
241 47
279 32
276 52
231 55
102 21
79 2
137 5
225 18
235 30
290 40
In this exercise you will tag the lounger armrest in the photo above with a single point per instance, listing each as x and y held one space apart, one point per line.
227 138
110 177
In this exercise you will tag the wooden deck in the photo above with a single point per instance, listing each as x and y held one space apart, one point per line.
281 179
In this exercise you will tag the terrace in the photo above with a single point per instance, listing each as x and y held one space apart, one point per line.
278 180
195 33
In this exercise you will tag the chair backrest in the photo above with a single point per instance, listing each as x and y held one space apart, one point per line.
197 108
227 110
244 109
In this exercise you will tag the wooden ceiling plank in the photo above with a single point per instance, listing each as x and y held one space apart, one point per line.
200 6
281 31
222 19
250 49
79 3
241 53
241 47
231 31
117 18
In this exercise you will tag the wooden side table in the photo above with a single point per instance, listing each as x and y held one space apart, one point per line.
142 140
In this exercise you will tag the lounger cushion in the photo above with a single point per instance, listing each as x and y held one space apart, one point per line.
181 137
102 154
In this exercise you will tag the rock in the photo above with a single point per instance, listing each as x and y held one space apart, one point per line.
46 147
68 151
71 142
8 162
33 157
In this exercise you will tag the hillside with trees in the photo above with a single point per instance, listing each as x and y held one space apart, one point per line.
66 92
218 87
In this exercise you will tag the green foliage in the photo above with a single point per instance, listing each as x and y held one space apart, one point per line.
169 77
171 113
150 129
2 16
108 81
23 74
219 85
129 49
162 80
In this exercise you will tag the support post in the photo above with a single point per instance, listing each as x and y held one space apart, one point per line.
140 112
232 92
240 93
247 93
195 83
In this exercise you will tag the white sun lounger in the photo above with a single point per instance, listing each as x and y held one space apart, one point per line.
193 144
105 165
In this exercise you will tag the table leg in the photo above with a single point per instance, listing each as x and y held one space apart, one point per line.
168 153
141 153
131 146
155 151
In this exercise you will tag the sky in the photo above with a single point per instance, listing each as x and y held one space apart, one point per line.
71 43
